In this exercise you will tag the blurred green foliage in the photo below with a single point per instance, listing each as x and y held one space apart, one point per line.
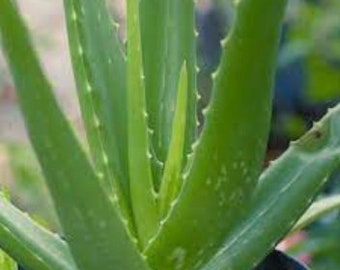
29 184
314 36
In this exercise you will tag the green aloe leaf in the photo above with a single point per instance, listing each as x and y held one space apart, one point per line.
216 192
143 196
172 180
317 210
286 189
31 245
93 226
6 263
168 40
100 72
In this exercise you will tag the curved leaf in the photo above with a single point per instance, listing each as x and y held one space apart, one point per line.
167 41
30 244
6 263
320 208
94 228
286 189
233 141
100 73
172 180
143 197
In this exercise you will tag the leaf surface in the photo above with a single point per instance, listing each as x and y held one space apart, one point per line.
172 180
318 209
6 263
92 223
286 190
31 245
168 39
228 157
100 73
143 196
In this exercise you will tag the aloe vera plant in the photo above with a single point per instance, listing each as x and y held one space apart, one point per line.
153 192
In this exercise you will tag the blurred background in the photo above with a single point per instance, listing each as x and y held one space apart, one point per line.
307 83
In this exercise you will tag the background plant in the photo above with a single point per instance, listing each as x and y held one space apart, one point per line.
107 206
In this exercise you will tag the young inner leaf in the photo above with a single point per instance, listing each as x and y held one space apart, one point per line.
172 173
143 197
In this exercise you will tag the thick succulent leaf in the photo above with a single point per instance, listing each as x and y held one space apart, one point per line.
168 40
93 226
99 70
143 197
287 188
317 210
172 180
228 157
30 244
6 262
